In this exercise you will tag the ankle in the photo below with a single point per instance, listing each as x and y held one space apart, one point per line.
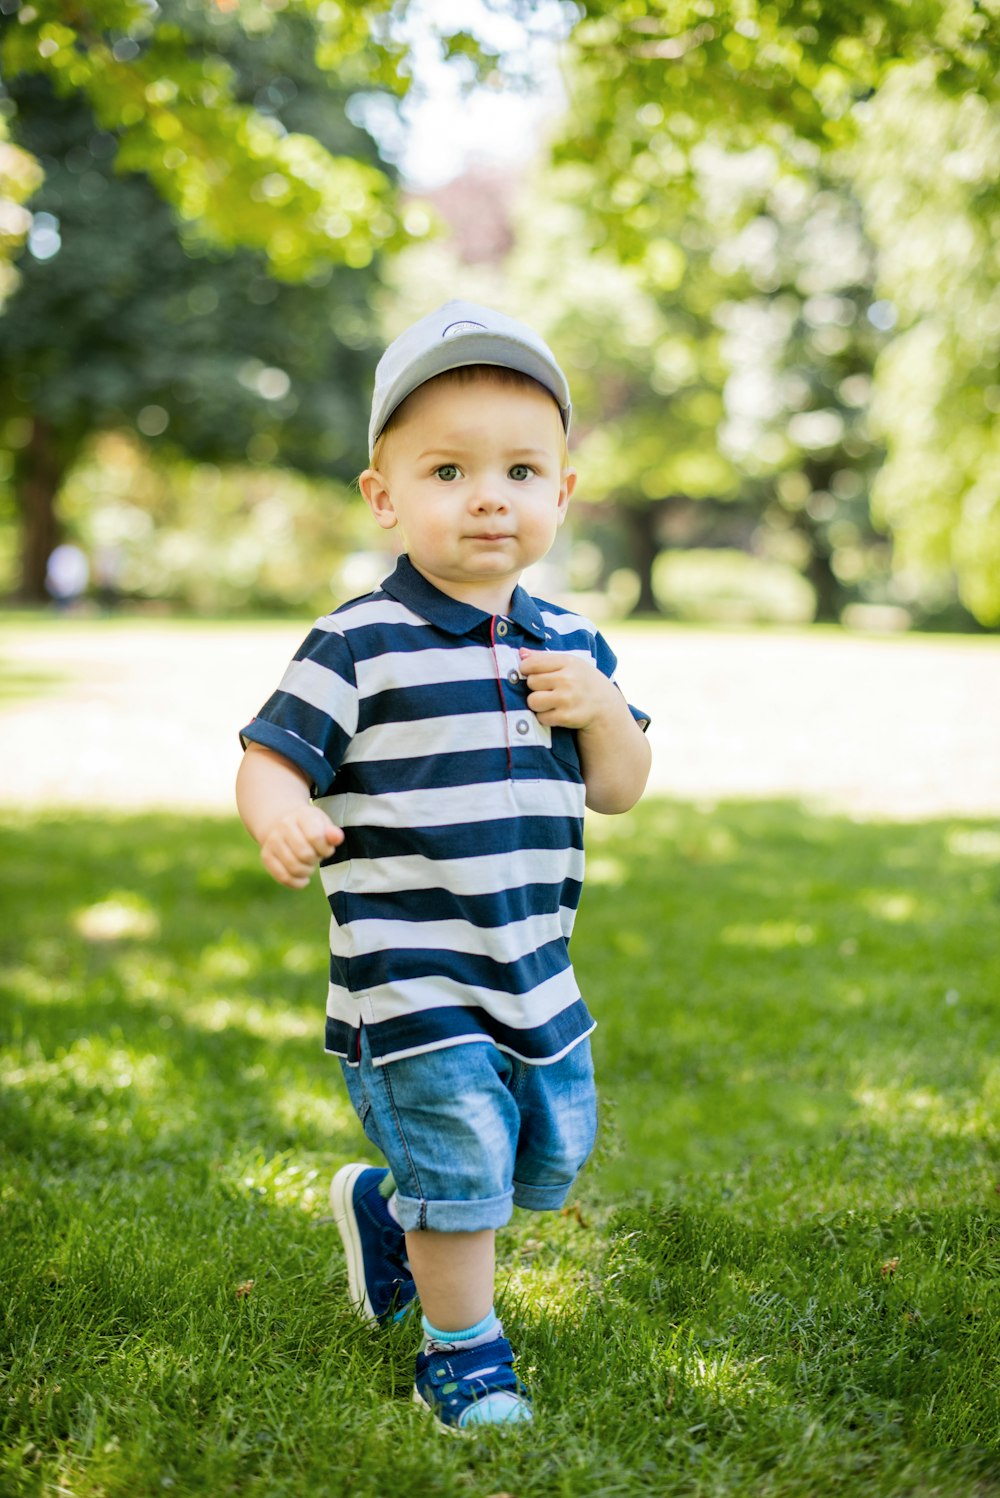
485 1330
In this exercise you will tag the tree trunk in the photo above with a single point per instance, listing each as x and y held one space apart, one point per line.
37 476
641 531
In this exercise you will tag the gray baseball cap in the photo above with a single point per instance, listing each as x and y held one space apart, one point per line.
457 334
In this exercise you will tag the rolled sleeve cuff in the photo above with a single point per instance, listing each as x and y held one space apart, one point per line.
305 758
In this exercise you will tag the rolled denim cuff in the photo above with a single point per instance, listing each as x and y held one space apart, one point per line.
454 1217
541 1198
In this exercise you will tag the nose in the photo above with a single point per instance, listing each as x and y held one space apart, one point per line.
488 496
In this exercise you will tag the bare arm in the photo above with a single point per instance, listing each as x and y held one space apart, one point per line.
566 691
273 798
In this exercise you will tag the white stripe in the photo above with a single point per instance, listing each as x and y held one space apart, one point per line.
507 943
479 1038
425 668
568 624
323 689
365 612
524 1011
428 737
460 733
488 875
457 805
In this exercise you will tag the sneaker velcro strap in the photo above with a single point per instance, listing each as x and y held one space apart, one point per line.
492 1362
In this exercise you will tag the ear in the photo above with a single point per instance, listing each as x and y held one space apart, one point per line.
376 492
566 486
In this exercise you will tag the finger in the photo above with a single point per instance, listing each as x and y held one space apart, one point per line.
300 845
279 869
540 661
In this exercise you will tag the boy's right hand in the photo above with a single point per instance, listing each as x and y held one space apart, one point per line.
297 842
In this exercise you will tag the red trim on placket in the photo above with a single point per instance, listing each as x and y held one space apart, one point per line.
503 704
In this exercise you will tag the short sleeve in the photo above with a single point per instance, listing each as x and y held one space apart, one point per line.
607 662
312 716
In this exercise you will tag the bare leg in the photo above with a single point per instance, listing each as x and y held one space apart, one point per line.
454 1275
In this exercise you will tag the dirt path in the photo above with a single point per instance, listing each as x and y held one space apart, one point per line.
145 714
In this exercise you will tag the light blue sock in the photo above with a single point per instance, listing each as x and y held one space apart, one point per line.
486 1330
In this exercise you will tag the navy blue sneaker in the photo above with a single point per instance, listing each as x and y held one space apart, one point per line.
378 1273
476 1386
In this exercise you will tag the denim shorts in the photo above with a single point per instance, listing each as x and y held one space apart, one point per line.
470 1132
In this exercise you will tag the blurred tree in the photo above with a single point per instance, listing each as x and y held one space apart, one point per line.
163 84
646 367
800 347
656 88
119 322
20 176
932 206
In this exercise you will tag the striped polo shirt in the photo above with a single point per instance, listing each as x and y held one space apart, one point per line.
453 894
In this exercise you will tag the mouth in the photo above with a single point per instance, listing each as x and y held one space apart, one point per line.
492 536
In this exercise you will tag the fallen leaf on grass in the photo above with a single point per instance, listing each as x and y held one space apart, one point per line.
242 1291
889 1267
574 1212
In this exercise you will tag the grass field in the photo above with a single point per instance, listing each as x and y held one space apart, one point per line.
781 1274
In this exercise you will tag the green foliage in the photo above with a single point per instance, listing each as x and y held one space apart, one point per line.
212 539
932 206
743 70
126 315
163 83
20 176
781 1275
121 323
743 127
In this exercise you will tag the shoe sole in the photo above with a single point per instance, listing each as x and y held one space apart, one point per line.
342 1202
462 1430
445 1430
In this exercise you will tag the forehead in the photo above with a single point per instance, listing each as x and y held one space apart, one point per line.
464 397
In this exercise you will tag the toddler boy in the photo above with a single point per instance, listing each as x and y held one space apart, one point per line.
431 747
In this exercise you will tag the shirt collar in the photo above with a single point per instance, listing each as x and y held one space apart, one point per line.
410 587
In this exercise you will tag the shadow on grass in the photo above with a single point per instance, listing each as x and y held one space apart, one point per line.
794 1256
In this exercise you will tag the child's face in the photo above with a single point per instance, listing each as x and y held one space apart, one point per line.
473 478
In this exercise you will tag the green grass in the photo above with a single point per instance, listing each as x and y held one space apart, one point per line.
781 1274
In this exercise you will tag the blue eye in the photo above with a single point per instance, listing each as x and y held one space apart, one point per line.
447 472
520 472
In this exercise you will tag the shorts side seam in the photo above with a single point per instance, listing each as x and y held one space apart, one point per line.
387 1082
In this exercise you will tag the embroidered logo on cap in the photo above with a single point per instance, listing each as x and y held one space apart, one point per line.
463 327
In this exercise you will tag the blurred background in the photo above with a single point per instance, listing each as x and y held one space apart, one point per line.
763 241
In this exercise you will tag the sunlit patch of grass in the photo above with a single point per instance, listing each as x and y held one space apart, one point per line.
777 1277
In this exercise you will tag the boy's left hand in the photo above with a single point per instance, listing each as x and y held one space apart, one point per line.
567 691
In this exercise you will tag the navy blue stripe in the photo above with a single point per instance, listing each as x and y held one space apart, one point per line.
461 840
453 1023
375 637
443 699
490 910
386 777
327 647
399 965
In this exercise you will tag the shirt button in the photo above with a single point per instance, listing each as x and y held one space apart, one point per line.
514 677
502 627
523 726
